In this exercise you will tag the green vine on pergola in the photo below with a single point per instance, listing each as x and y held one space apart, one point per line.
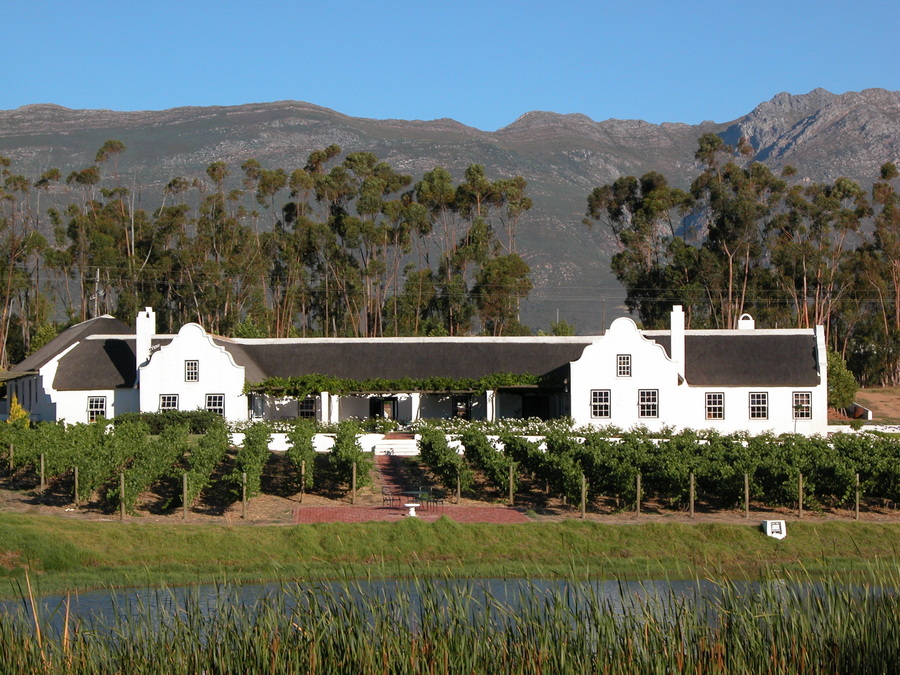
302 386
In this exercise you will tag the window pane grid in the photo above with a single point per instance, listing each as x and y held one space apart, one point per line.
96 408
168 402
306 408
648 403
715 406
802 405
191 371
216 403
759 405
623 365
600 399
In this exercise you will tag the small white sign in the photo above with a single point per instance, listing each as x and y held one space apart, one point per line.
775 528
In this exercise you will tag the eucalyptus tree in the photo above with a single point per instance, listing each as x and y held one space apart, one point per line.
809 243
20 245
501 281
644 217
880 268
370 222
734 203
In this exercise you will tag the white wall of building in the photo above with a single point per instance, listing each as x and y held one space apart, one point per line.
651 369
37 396
678 404
217 374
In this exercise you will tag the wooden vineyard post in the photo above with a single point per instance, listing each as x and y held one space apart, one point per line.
11 464
302 479
243 495
691 495
184 495
746 495
353 484
458 487
43 481
75 491
121 495
511 491
857 496
800 495
638 500
583 496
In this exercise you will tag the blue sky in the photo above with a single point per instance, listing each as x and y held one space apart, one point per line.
481 63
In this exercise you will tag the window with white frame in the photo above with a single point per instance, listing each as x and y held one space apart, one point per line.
306 408
759 405
623 365
600 399
96 408
168 401
191 371
715 405
648 403
802 405
216 403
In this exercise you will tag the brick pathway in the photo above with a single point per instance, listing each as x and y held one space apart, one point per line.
363 514
394 478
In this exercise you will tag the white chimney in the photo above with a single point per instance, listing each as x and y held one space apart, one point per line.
145 329
677 333
746 322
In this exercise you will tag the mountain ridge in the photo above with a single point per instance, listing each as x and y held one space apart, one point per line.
562 156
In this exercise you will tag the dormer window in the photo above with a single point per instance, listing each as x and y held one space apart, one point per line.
191 371
623 365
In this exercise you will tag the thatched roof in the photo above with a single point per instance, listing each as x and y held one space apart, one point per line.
748 359
403 357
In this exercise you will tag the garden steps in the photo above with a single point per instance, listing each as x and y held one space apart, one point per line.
397 443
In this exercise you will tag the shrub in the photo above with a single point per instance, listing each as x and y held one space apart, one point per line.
197 421
347 452
301 452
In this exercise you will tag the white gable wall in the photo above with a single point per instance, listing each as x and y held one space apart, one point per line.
680 405
217 374
651 370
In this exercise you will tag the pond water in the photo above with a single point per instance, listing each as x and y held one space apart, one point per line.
409 599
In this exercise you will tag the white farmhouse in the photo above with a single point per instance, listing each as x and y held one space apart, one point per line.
729 380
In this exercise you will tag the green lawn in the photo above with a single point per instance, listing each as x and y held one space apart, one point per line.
62 553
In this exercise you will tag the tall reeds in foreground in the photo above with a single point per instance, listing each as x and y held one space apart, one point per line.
783 625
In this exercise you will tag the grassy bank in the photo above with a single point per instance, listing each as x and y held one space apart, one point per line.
63 553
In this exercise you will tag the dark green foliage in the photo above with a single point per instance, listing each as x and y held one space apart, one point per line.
302 386
482 456
105 453
203 459
842 386
197 421
609 463
251 458
153 459
446 464
301 452
347 452
562 469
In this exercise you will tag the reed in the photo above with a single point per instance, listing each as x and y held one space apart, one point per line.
783 624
